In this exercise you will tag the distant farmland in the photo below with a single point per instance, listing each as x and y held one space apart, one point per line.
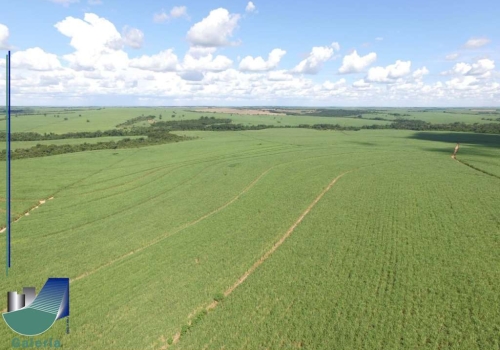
277 238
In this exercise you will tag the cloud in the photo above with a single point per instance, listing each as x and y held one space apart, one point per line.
335 46
94 2
4 37
132 37
92 33
314 62
250 7
165 61
178 11
482 68
160 17
192 75
379 38
464 83
452 56
419 73
390 73
96 40
354 63
214 30
201 59
99 69
361 84
35 59
475 43
328 85
459 68
279 75
259 64
175 12
65 2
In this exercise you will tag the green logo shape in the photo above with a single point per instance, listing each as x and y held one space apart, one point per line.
39 315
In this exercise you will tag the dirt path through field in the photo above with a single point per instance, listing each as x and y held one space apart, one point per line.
27 212
264 257
177 230
454 157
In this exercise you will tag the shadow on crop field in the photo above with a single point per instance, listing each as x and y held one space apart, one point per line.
464 150
487 140
363 143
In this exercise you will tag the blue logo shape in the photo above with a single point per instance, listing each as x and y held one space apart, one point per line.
33 315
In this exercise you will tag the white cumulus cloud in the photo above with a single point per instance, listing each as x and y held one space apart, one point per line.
250 7
482 68
354 63
452 56
361 84
35 59
279 75
475 43
314 62
328 85
214 30
202 59
4 37
463 83
419 73
175 12
132 37
259 64
165 61
96 40
389 73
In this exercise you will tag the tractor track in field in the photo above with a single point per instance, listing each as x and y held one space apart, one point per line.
220 161
454 157
145 200
43 201
26 212
156 169
264 257
177 230
172 169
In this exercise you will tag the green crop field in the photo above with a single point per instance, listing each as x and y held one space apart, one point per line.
289 237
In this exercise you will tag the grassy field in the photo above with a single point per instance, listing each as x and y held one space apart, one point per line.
46 119
402 252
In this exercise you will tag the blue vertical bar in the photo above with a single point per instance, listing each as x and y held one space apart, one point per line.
8 164
7 175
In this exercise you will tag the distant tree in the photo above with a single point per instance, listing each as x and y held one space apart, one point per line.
45 114
173 115
79 115
65 118
88 121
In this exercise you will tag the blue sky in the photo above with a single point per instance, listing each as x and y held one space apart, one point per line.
362 53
